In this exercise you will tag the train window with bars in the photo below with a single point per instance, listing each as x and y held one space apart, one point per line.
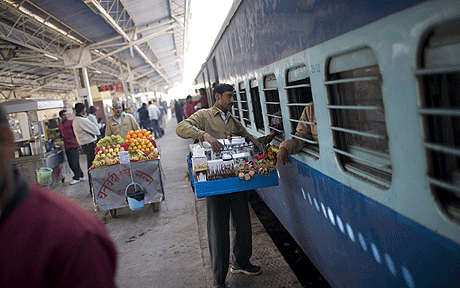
358 118
256 106
439 77
299 96
245 120
272 103
235 108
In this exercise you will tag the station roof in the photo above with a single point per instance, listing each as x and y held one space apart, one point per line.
42 43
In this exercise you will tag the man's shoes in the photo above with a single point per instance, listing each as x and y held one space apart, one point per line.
74 181
219 285
82 178
248 270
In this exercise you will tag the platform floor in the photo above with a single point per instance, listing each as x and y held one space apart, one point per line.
168 247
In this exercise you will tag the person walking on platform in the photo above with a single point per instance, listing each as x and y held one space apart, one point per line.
144 117
46 239
71 146
120 123
209 125
92 118
155 116
179 109
86 134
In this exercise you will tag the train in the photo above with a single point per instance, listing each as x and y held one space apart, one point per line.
375 200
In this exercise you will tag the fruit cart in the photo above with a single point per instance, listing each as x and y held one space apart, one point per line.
109 183
111 174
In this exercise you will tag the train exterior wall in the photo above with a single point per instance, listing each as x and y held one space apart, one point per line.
358 232
355 241
262 32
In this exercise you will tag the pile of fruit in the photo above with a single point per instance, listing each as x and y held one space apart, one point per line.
139 143
142 145
110 140
137 136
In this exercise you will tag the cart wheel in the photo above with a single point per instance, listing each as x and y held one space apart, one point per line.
113 213
62 180
154 208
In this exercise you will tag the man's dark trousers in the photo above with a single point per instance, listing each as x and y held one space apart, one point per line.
88 149
74 162
156 128
219 209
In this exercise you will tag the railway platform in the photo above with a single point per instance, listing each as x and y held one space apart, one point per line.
168 247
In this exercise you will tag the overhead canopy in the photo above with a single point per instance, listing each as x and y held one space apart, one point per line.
43 43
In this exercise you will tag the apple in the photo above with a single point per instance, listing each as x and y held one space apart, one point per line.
112 146
118 146
110 150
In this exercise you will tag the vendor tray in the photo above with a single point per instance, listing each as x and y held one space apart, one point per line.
230 185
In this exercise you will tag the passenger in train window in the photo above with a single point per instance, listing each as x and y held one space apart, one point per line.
209 125
303 130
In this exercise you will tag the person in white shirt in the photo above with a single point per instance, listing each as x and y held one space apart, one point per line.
155 115
92 118
86 134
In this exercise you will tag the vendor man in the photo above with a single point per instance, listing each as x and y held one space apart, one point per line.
209 125
120 123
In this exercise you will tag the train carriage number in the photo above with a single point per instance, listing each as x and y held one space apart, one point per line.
315 68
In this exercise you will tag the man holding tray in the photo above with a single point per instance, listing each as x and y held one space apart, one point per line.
209 125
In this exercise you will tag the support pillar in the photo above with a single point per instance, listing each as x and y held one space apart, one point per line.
84 91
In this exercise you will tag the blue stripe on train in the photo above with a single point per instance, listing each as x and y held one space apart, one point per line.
355 241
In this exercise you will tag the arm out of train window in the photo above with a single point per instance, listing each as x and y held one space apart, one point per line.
303 130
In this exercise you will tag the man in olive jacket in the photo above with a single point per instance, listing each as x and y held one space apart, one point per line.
209 125
120 123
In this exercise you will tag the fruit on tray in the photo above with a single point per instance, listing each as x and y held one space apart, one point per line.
137 155
110 140
104 161
137 135
142 145
109 151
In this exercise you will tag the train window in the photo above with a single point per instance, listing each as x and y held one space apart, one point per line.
358 118
256 106
236 110
439 77
272 103
246 120
300 98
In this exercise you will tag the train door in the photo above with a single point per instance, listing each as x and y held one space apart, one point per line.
256 106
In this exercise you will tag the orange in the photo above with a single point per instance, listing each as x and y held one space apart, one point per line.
130 132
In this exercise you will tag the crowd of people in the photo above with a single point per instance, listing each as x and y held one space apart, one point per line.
31 214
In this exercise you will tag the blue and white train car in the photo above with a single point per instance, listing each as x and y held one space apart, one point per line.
375 202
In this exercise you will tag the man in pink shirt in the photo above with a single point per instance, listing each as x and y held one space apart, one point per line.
70 146
46 239
189 107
